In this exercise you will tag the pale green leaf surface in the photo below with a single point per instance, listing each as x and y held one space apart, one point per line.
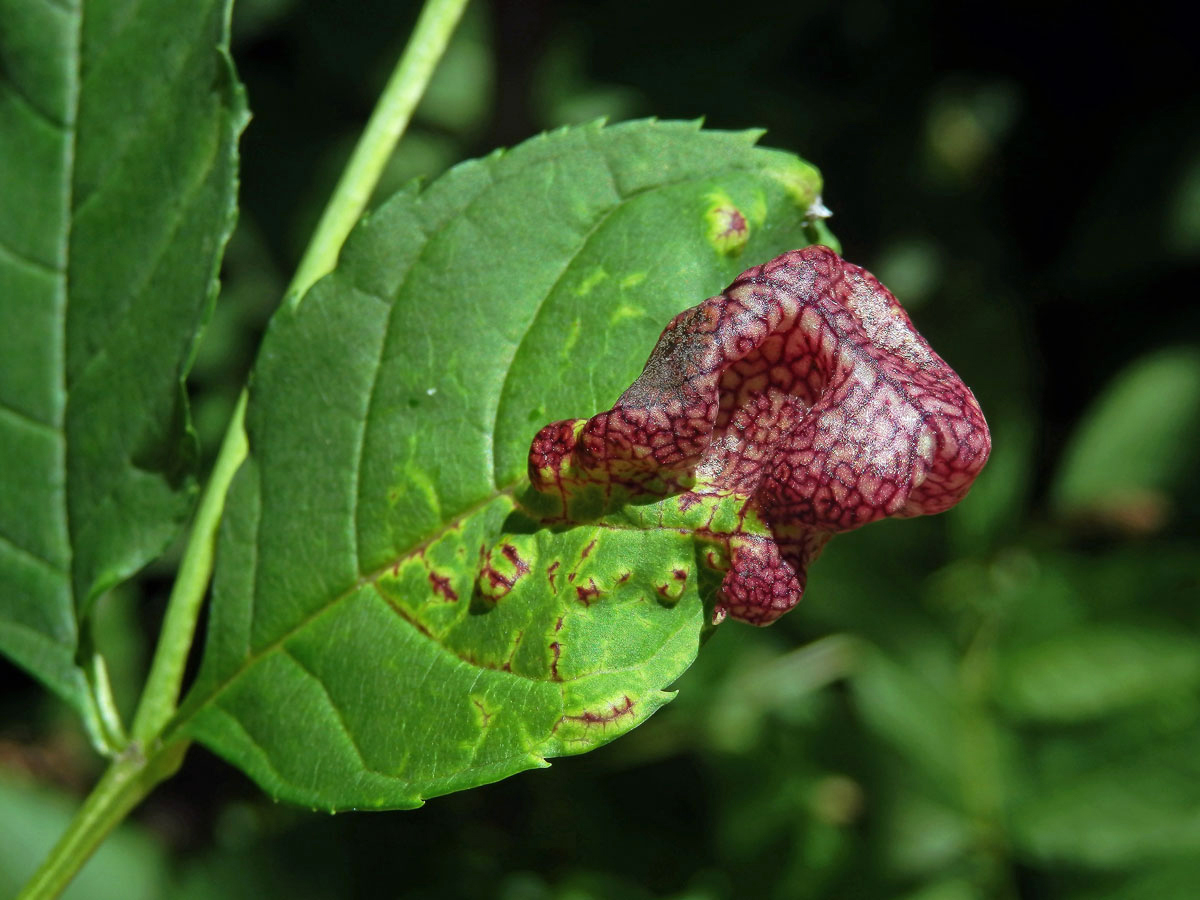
118 125
351 661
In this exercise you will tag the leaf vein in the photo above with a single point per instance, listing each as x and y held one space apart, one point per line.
36 557
20 415
164 84
437 642
362 435
35 108
62 292
533 320
255 656
232 717
616 207
337 713
23 259
137 290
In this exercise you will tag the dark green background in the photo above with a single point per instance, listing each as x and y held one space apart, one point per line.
1003 701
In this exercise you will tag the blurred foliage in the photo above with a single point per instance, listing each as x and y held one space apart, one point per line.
999 702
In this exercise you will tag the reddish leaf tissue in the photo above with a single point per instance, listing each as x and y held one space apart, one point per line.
803 390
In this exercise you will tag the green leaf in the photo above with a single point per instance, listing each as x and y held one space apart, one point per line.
917 709
1131 811
1136 442
949 889
117 167
1092 672
358 656
1171 880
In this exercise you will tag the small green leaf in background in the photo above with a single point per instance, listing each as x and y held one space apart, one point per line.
1089 673
354 659
1133 809
1135 443
117 171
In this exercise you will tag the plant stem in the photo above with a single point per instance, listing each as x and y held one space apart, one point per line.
147 761
161 693
391 116
130 778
